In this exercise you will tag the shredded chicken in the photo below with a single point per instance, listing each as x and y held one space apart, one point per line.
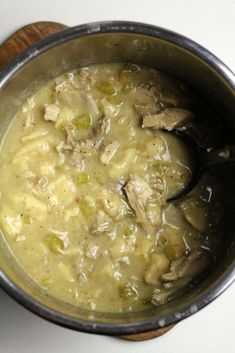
160 297
85 79
187 266
146 100
92 105
168 119
59 85
101 224
108 151
101 129
138 193
70 139
76 159
51 112
62 146
81 150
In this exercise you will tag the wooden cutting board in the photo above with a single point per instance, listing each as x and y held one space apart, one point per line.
14 45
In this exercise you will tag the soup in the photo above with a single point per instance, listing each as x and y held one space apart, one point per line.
87 168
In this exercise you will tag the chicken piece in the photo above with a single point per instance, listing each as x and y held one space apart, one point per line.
101 129
108 151
76 159
172 275
81 150
70 138
194 264
84 79
145 100
102 224
160 297
60 85
138 192
62 147
168 119
51 112
187 266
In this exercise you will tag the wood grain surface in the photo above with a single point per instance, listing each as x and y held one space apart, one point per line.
25 37
14 45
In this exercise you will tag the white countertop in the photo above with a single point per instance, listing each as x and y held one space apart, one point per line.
210 23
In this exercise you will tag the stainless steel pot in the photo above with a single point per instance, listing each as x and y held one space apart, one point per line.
118 42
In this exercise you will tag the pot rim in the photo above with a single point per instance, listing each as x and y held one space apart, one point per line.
221 283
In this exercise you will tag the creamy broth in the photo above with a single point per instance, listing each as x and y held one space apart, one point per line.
87 167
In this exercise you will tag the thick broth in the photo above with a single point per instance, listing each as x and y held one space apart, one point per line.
86 171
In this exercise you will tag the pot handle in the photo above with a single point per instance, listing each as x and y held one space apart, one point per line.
25 37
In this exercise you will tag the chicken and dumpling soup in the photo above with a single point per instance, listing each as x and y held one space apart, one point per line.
87 167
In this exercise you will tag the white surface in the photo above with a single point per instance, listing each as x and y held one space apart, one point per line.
209 22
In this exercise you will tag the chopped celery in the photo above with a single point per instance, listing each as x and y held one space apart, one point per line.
106 87
82 121
82 178
127 291
87 208
26 219
55 244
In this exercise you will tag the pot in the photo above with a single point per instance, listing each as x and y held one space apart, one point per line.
138 43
